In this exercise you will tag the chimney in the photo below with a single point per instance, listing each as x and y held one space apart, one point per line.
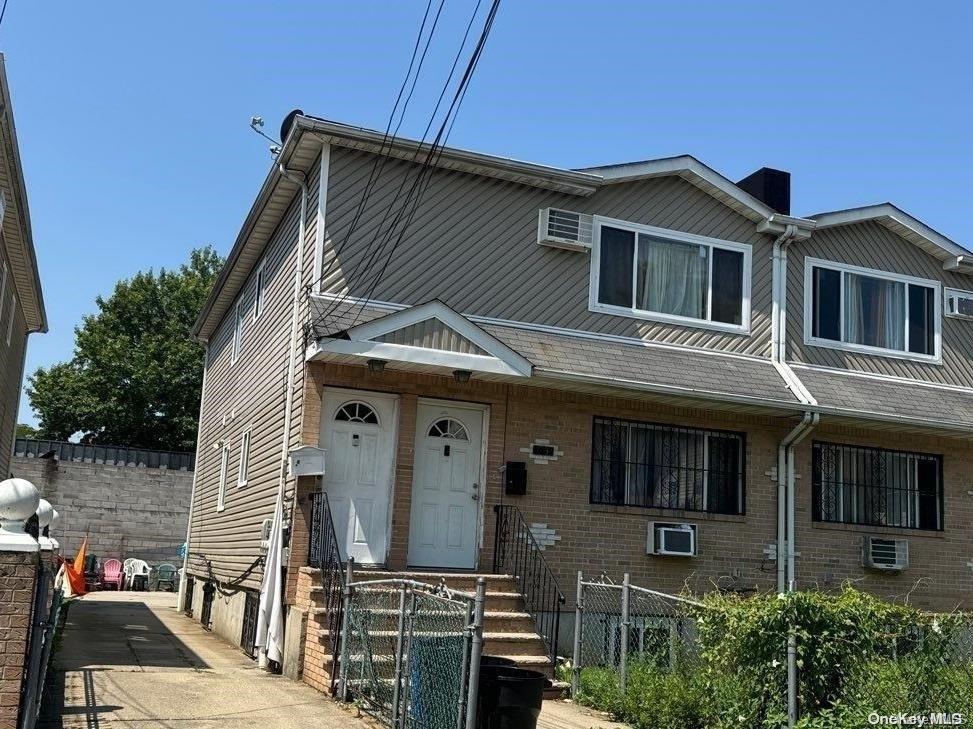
770 186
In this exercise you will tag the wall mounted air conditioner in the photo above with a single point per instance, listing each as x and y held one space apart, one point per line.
265 528
671 540
889 555
959 304
564 229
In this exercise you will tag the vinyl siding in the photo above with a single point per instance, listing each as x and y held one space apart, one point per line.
12 367
432 334
473 244
249 394
872 245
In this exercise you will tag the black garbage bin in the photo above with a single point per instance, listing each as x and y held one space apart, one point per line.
510 697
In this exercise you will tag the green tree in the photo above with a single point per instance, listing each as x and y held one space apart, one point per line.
28 431
136 374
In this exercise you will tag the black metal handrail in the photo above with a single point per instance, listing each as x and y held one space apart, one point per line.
323 553
516 552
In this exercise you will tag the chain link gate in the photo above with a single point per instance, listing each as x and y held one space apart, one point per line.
619 625
410 652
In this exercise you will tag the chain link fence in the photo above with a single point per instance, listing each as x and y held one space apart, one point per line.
410 652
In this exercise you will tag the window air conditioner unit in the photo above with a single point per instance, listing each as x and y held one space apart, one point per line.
265 528
564 229
890 555
959 304
672 540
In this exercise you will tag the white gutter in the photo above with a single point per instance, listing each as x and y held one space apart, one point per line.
192 498
291 363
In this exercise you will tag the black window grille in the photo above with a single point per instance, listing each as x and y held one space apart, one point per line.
877 487
248 638
206 613
666 466
188 604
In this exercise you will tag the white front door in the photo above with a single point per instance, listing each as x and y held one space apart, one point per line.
446 488
358 431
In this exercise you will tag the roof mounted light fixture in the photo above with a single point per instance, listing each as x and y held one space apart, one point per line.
462 376
376 366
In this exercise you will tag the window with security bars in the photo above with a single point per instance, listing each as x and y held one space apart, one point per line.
248 635
666 466
877 487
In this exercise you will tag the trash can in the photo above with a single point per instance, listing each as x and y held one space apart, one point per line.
509 697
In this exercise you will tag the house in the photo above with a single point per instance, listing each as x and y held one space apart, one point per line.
648 367
21 300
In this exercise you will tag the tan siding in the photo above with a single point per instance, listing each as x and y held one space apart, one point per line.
12 367
432 334
472 243
249 394
871 245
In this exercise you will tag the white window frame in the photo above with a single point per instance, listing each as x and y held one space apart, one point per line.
237 343
13 315
678 237
243 471
3 288
224 469
811 263
258 291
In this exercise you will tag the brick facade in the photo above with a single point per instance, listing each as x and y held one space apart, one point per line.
17 575
595 539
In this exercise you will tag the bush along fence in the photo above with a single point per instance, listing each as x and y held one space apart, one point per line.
658 660
410 652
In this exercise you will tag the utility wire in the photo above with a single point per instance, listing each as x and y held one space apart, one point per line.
3 11
410 204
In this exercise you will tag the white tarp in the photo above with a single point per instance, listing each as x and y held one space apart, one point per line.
270 619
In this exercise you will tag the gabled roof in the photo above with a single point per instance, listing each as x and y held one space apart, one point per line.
17 234
954 256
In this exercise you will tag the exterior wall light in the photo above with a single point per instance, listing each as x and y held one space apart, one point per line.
376 366
462 376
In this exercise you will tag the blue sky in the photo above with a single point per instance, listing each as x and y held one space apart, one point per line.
133 117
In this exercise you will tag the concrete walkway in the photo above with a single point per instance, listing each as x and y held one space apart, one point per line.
130 660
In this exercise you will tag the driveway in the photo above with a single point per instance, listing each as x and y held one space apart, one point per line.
130 660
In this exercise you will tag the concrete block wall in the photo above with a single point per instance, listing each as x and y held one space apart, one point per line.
125 511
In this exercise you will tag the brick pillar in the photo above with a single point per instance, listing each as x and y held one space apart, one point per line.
18 571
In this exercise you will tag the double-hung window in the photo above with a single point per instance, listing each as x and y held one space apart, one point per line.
243 474
877 487
665 275
666 466
860 309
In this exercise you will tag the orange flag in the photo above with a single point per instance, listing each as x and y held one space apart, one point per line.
75 572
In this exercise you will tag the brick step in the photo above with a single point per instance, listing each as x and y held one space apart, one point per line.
494 621
513 644
384 665
461 581
496 600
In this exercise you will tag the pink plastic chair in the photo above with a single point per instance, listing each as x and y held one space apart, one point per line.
111 573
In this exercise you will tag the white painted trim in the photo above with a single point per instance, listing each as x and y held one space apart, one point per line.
419 355
682 166
595 306
259 289
243 474
13 315
811 263
224 470
950 248
548 329
511 360
3 286
236 343
484 409
319 230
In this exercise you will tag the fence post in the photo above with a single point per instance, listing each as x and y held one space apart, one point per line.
399 641
407 667
791 677
346 616
623 642
476 652
576 658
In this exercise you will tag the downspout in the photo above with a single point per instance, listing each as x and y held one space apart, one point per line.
192 498
292 358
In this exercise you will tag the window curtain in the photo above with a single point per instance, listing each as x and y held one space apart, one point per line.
874 312
672 277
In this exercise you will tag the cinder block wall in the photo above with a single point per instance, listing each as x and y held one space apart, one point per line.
126 511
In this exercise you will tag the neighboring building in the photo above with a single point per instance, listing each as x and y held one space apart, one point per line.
127 502
21 301
657 344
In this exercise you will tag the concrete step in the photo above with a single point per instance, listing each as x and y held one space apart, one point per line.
498 643
462 581
496 600
384 665
495 621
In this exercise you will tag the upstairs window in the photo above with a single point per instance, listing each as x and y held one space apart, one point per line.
258 296
658 274
877 487
667 467
243 474
872 311
237 332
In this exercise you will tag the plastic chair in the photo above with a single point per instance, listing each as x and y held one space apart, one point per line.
111 573
139 578
165 577
128 570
